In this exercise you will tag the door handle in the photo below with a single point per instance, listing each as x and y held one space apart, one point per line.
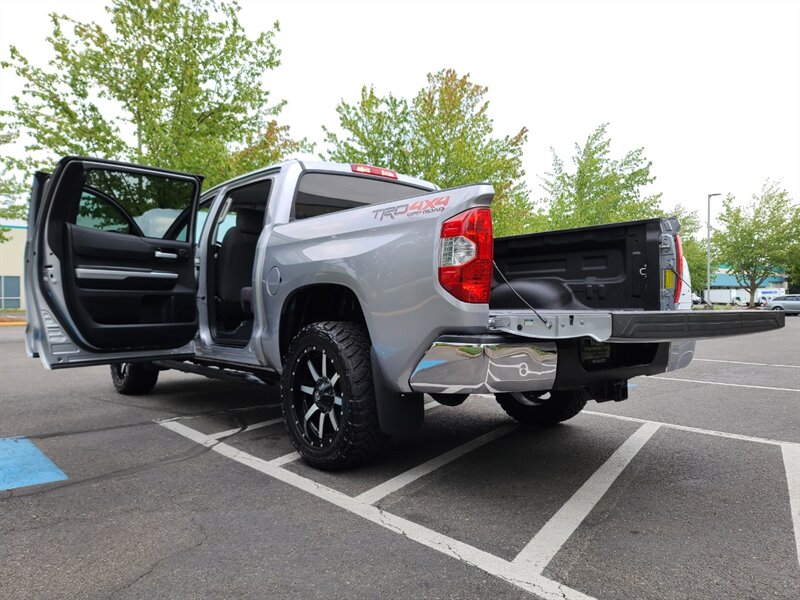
170 255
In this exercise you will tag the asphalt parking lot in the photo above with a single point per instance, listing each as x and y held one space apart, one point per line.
690 489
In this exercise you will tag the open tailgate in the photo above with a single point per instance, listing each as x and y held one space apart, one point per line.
625 325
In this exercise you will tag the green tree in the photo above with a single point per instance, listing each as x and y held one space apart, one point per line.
793 267
443 135
695 252
694 249
10 207
170 83
598 189
758 237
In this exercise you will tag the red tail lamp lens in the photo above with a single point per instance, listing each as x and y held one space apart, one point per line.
466 253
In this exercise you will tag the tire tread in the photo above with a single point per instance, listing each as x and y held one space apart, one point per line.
361 436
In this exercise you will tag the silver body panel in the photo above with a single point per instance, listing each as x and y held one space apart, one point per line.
390 264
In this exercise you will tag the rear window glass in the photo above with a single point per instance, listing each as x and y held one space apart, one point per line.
323 193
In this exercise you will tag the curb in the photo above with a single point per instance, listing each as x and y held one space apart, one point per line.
14 324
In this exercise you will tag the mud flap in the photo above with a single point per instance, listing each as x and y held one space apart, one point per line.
397 412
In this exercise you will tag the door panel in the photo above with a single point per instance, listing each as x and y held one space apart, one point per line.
113 285
117 280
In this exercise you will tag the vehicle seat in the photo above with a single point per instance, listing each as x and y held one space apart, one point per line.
235 264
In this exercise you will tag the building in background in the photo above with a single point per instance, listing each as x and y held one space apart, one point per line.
726 290
12 264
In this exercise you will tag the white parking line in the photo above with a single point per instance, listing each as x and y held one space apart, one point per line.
791 462
494 565
220 412
285 459
293 456
525 571
733 436
550 538
739 362
262 424
371 496
741 385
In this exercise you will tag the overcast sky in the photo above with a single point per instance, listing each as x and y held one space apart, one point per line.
711 90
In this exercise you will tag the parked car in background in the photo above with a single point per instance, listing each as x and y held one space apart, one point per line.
790 304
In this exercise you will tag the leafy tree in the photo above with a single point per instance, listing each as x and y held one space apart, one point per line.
443 135
171 83
758 237
599 189
9 191
793 268
694 249
8 212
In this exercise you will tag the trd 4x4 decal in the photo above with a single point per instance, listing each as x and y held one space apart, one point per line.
413 209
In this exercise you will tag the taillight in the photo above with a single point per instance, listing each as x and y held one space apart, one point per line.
465 257
368 170
678 268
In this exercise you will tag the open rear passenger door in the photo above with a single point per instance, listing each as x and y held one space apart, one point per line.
110 264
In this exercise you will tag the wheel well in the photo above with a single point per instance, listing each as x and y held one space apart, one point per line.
323 302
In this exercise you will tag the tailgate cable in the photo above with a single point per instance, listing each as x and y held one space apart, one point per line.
694 291
511 287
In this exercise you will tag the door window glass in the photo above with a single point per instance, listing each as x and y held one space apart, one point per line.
152 202
223 226
253 197
202 215
97 212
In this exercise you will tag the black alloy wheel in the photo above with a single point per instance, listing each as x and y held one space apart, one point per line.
318 399
327 395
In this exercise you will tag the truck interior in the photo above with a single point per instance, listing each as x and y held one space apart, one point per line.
231 261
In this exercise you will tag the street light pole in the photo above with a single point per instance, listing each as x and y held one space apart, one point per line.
708 251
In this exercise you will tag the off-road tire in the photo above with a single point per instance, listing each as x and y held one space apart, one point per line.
134 379
528 408
344 348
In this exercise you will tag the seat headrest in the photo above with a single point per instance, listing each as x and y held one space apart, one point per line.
249 221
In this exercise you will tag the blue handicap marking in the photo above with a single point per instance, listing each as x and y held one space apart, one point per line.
631 385
22 464
427 364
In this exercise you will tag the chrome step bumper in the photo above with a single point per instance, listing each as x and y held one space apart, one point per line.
485 364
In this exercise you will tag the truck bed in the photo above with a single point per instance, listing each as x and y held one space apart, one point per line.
604 267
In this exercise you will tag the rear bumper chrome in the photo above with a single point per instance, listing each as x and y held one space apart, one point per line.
485 365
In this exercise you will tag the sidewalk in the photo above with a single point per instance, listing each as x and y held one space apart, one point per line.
12 319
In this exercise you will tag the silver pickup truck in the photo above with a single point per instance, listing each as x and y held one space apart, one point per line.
355 288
